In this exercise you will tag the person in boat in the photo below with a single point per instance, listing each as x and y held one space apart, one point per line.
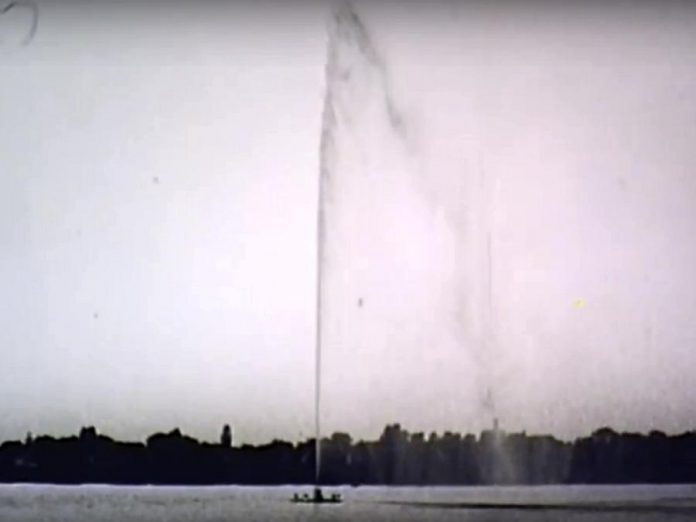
318 495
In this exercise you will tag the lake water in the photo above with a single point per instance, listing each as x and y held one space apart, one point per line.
232 503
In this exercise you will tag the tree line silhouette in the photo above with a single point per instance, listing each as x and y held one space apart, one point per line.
396 458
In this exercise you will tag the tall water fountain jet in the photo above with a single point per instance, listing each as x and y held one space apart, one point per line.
405 248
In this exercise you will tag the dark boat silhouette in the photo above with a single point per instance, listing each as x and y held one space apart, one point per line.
317 498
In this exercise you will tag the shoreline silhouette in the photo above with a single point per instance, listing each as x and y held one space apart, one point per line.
396 458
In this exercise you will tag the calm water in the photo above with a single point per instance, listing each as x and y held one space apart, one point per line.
178 504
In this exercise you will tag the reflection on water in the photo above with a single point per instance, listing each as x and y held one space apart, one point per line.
178 504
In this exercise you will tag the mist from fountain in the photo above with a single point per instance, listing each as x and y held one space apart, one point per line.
406 246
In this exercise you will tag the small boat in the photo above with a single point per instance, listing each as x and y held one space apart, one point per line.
317 498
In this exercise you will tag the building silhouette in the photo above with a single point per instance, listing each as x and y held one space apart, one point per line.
226 436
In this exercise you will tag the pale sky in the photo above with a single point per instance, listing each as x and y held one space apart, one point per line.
158 187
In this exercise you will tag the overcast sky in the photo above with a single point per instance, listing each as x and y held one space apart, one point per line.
510 218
